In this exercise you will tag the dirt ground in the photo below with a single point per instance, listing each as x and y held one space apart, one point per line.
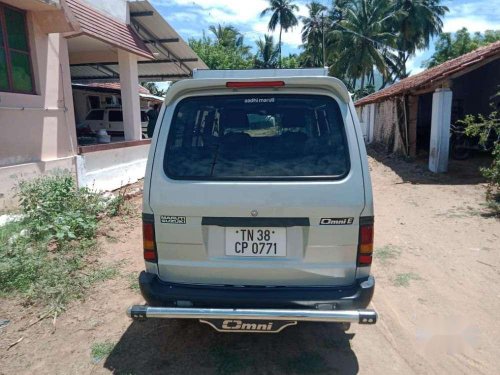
438 297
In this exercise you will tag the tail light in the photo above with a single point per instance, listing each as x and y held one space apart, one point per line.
148 238
250 84
365 247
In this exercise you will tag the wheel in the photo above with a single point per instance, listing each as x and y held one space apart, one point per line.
460 149
345 326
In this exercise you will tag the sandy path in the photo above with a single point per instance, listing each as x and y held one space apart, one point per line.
437 294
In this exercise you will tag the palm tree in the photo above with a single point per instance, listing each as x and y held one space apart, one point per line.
364 40
313 34
282 14
417 22
229 37
267 53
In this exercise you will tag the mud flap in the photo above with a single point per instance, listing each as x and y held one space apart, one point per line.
248 325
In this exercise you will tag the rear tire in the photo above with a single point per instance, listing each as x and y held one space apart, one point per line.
345 326
460 149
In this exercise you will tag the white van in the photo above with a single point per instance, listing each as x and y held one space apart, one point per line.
111 120
258 208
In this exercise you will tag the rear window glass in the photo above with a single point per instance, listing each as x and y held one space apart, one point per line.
95 115
115 116
257 137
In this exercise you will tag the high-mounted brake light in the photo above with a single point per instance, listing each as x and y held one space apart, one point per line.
148 239
365 247
248 84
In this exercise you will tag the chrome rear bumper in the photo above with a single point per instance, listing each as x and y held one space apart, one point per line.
361 316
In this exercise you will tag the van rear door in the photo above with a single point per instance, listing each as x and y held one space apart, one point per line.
258 189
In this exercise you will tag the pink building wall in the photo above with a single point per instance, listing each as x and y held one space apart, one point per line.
38 131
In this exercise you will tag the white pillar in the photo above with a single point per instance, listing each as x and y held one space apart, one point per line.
129 80
440 130
371 121
68 93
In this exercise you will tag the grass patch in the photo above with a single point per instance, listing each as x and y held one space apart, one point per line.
49 257
119 205
102 274
101 350
228 361
387 253
307 363
404 279
133 281
111 239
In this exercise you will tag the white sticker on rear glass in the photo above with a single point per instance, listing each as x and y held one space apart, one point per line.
259 100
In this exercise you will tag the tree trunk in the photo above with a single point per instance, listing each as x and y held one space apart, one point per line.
363 81
279 46
403 58
323 50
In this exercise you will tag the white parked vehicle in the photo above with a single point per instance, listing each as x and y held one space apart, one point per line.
258 208
111 120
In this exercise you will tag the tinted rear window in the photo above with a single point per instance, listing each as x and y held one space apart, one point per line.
95 115
257 137
116 116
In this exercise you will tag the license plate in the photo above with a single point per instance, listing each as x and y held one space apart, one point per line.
256 242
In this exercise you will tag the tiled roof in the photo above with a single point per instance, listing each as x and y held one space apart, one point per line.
107 29
432 75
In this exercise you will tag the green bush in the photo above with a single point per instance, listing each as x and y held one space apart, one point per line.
46 257
55 208
483 127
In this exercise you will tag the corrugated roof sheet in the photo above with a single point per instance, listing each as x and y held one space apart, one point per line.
107 29
112 86
438 73
155 27
171 56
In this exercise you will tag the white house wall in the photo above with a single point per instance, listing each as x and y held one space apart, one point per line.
109 170
381 124
366 115
11 176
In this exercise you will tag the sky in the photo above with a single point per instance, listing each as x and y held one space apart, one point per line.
191 17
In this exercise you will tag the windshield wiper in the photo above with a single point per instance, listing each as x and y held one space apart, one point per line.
214 161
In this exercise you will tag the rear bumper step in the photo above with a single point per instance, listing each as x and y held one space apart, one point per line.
361 316
159 293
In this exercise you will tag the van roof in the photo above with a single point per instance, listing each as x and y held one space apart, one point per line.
259 73
204 84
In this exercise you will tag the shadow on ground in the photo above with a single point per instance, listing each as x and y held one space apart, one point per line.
416 171
189 347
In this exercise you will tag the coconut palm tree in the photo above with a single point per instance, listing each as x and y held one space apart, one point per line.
224 35
229 37
313 33
364 40
417 22
267 53
282 14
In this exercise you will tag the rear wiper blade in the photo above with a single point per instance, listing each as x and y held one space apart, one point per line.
214 161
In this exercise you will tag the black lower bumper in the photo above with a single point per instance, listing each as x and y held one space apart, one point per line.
164 294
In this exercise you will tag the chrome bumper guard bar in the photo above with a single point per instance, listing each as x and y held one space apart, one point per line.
363 316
